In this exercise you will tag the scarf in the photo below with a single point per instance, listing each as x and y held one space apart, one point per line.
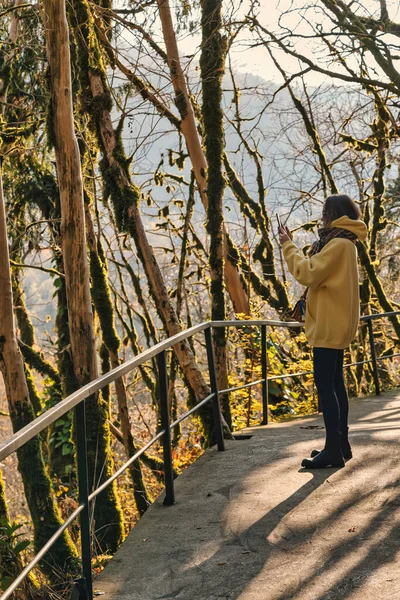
326 234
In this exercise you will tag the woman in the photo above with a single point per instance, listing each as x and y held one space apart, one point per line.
332 315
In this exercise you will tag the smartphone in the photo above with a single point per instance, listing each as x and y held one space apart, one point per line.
278 219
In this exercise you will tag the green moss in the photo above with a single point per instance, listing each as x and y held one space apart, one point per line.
5 73
181 104
33 392
89 54
117 183
108 525
107 512
4 516
36 361
27 333
100 103
106 17
212 65
123 197
101 297
65 364
44 512
50 134
367 146
61 465
105 367
377 285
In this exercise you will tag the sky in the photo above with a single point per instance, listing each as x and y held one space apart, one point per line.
257 61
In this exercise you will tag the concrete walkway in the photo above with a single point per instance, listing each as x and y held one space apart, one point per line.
250 524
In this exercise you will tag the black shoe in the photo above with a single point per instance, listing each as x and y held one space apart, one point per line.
345 445
330 456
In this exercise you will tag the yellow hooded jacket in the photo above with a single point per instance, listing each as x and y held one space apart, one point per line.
333 301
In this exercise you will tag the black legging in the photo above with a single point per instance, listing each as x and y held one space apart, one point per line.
329 380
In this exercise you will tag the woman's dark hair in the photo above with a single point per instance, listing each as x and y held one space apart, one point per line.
337 206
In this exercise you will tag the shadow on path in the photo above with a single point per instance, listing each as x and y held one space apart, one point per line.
250 525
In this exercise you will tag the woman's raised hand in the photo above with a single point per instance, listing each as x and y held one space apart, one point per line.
285 235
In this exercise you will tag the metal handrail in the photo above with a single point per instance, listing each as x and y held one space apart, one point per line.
76 400
26 433
373 316
52 414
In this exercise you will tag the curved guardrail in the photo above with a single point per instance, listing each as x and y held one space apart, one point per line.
76 401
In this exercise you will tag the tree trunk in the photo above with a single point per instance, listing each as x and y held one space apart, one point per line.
44 511
108 518
212 64
188 128
103 305
27 337
125 197
4 522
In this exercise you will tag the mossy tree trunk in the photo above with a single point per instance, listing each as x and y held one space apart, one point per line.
212 64
44 512
27 337
39 188
43 509
4 522
124 195
188 128
108 517
103 305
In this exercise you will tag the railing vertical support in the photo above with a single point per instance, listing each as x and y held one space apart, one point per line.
165 424
219 434
373 356
264 374
80 424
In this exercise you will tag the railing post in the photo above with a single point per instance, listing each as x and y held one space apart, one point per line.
264 375
219 435
165 424
373 356
80 424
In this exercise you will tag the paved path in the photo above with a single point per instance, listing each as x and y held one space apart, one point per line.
249 524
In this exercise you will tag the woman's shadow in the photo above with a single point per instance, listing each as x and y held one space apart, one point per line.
242 556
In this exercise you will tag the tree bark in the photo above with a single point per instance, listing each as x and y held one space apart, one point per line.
125 197
103 305
108 517
27 337
188 128
44 511
212 64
